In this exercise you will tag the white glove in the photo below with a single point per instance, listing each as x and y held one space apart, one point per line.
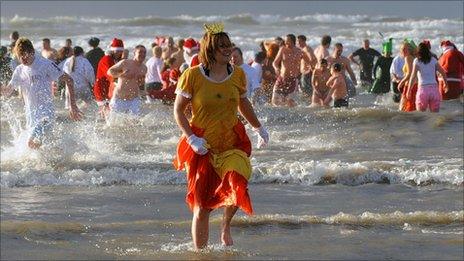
263 136
198 144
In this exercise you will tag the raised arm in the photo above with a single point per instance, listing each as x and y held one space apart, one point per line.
116 70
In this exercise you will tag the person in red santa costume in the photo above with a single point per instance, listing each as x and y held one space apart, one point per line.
103 82
191 49
166 94
452 61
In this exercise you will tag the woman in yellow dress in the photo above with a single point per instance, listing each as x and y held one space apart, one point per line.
214 148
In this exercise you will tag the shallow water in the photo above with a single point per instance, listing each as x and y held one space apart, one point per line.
372 221
368 182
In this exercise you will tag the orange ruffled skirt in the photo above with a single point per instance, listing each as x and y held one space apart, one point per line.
409 104
206 189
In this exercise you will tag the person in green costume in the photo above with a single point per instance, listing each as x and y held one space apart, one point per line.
382 70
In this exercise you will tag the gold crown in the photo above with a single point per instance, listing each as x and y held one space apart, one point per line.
214 28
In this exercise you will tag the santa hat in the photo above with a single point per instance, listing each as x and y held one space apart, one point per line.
447 45
117 45
191 45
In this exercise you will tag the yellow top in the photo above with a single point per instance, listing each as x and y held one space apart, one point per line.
214 104
214 109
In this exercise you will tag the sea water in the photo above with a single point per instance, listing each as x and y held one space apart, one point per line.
367 182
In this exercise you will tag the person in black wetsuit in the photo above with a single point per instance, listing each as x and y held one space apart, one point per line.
382 70
366 62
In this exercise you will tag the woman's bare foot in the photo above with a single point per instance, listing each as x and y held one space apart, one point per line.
226 237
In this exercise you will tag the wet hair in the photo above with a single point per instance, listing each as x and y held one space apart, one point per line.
22 46
63 53
337 67
326 40
323 61
260 56
423 53
94 41
339 45
262 47
279 40
409 47
272 51
180 43
157 50
46 40
140 46
301 37
238 50
292 38
15 35
77 50
209 44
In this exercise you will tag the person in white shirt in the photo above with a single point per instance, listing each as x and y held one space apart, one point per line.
250 72
258 65
425 67
33 77
81 71
396 74
153 76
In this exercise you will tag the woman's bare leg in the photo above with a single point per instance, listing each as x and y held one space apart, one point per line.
200 227
226 237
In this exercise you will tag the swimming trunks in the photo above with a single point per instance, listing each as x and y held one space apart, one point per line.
285 86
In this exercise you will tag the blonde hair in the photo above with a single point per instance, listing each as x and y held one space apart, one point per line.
157 51
23 45
208 46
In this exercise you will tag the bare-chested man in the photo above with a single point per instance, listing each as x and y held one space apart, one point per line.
337 57
322 51
47 51
337 87
306 68
179 54
169 49
287 67
131 75
321 75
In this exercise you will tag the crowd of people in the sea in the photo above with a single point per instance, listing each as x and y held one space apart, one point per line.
279 72
210 84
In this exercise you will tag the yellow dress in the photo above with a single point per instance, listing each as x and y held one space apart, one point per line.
226 169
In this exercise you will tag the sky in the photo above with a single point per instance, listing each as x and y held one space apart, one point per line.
127 9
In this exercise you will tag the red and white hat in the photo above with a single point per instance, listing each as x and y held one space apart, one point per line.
117 45
191 45
446 43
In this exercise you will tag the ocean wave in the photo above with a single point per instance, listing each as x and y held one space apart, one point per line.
365 219
240 19
420 173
